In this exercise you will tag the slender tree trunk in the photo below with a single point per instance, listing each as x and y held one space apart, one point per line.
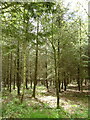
4 75
46 72
82 85
10 72
59 86
65 82
36 61
27 70
14 82
62 85
14 74
56 80
30 77
59 82
18 78
24 71
24 51
55 67
78 80
26 83
80 68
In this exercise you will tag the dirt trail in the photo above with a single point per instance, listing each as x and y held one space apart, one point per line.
69 102
51 101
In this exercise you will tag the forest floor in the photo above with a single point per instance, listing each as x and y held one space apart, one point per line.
73 104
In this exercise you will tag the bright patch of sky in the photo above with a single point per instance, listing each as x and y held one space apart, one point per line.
80 5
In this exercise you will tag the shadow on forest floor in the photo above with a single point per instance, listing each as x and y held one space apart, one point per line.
69 97
71 100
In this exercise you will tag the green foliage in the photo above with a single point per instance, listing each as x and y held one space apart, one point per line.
14 109
80 113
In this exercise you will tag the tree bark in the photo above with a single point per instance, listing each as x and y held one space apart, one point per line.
65 82
59 82
10 73
55 68
36 61
62 85
46 73
14 81
24 71
78 79
18 78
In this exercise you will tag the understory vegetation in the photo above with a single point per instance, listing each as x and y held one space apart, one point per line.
43 106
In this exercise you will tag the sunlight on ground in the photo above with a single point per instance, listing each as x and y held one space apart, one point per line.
71 103
67 104
50 100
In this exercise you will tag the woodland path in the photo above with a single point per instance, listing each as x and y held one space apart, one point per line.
70 100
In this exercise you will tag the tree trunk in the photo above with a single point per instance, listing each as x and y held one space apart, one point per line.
24 71
59 82
14 82
55 68
78 80
26 83
7 73
24 51
46 73
62 85
65 82
10 73
18 78
14 74
59 86
8 76
56 80
36 62
30 77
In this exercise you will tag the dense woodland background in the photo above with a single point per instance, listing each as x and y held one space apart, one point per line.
44 47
